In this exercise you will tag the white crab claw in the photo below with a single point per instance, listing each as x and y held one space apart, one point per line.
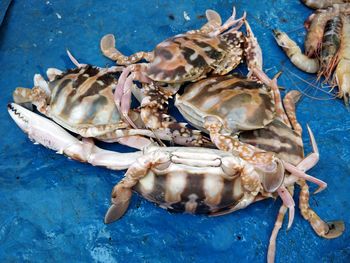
40 129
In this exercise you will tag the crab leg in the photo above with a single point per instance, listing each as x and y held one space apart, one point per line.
40 82
74 60
52 136
214 22
288 201
276 93
108 49
126 100
121 193
80 65
298 173
278 224
229 23
154 100
232 144
252 51
289 102
324 229
154 106
311 160
119 89
37 96
124 88
122 93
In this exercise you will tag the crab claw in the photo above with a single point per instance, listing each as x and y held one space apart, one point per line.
40 129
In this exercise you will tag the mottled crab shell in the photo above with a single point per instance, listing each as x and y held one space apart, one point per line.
188 57
279 138
83 98
240 104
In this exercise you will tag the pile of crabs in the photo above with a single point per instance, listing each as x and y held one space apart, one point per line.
246 144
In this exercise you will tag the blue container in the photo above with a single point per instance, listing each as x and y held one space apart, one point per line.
52 208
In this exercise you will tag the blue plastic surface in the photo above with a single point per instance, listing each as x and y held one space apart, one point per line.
52 208
4 4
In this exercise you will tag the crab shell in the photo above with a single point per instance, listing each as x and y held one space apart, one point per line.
82 98
279 138
188 57
240 104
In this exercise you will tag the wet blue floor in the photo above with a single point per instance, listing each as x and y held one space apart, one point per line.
52 208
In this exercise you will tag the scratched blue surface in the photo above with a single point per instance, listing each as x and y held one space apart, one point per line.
52 208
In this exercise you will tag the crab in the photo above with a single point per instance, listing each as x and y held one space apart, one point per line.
189 57
192 179
81 100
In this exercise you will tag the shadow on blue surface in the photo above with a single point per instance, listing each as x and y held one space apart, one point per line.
52 208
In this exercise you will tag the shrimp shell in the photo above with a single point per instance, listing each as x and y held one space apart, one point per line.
316 26
330 45
316 29
342 73
293 51
317 4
